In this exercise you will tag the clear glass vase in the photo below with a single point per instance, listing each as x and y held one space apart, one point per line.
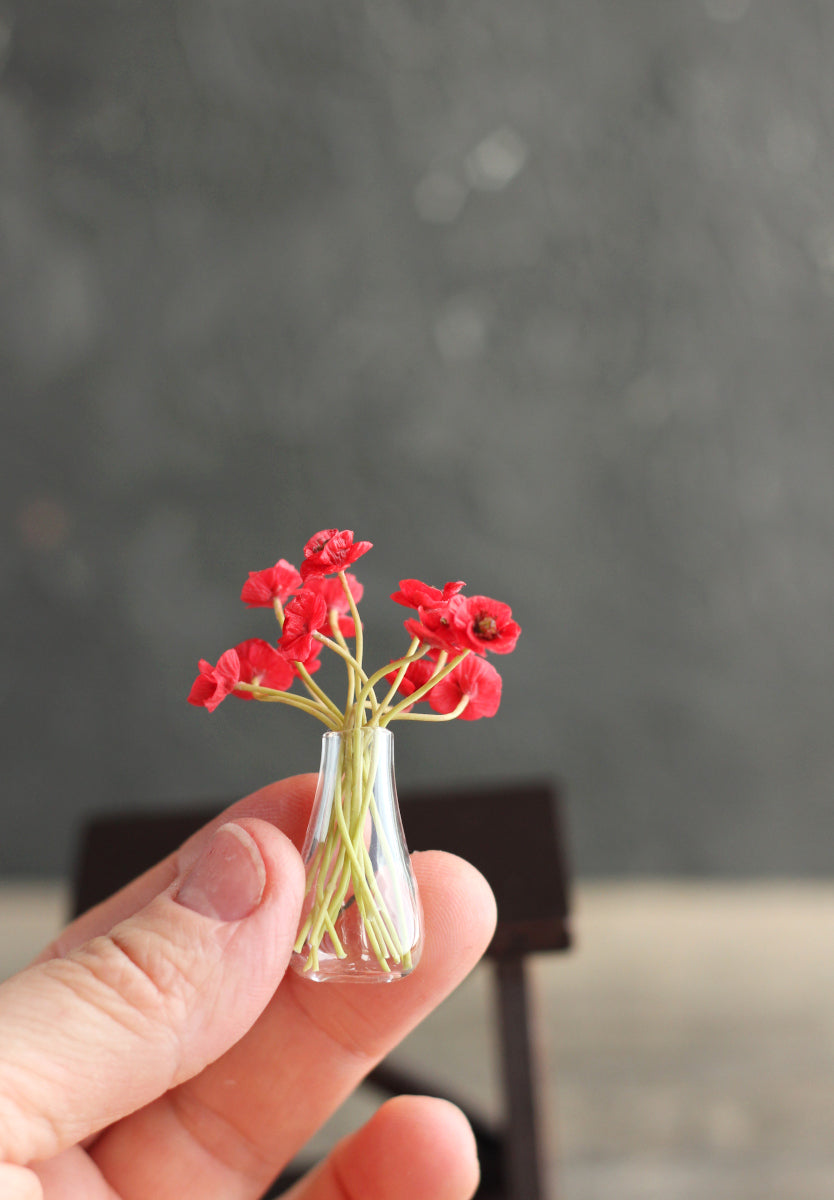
362 919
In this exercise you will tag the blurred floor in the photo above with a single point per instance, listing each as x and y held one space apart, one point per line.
687 1046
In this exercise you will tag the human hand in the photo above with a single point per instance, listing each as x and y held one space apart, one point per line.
150 1051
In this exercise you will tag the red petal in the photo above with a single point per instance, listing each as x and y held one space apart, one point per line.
331 550
214 684
262 588
261 663
483 624
474 677
202 690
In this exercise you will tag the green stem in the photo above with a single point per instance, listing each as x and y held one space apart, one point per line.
402 664
329 875
418 694
322 873
345 654
450 716
314 690
410 656
330 896
357 624
272 696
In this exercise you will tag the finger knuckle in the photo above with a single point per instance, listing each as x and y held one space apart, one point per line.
137 978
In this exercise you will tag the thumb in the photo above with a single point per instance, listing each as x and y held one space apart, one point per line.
88 1038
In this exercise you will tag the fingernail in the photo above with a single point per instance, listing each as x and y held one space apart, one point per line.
227 881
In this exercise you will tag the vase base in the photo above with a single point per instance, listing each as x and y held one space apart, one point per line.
331 969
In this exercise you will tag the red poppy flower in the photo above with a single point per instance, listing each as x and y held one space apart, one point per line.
475 678
331 550
483 624
262 588
305 615
414 594
435 627
214 684
261 663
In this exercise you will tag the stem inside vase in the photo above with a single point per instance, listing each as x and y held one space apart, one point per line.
361 917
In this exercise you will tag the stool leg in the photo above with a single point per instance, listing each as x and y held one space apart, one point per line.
523 1153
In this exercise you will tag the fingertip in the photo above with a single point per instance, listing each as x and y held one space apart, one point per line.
461 902
436 1130
413 1146
295 788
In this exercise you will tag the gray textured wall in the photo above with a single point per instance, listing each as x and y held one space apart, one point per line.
535 294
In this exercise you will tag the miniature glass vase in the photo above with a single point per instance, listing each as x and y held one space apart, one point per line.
362 919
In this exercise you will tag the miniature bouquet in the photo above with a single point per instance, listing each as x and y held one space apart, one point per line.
361 917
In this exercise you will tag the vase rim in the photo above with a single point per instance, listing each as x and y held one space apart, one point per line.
337 733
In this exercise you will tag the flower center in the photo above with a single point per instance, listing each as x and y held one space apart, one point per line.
486 626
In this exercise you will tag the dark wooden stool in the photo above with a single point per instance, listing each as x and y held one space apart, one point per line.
513 835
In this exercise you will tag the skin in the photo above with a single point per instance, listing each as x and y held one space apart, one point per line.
154 1051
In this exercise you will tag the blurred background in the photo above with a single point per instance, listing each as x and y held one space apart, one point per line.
539 296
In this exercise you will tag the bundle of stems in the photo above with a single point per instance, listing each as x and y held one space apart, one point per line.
345 862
